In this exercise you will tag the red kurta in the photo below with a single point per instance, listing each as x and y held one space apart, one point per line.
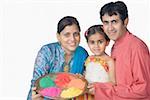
132 62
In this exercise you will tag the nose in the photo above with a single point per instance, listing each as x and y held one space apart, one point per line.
96 44
110 27
72 37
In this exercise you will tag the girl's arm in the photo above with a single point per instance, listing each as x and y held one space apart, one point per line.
111 65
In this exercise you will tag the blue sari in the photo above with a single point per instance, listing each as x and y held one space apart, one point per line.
50 59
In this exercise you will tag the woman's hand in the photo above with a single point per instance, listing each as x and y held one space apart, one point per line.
36 96
79 75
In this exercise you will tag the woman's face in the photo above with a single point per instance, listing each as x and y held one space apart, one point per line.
97 44
69 38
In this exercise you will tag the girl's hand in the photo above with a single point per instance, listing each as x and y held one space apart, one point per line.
35 95
91 88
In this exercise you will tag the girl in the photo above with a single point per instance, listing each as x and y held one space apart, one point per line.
100 66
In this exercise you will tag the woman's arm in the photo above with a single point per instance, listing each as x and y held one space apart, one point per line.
40 68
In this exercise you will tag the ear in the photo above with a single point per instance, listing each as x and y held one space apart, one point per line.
102 27
58 36
107 43
126 22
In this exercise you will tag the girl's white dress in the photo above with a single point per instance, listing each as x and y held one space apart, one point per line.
96 70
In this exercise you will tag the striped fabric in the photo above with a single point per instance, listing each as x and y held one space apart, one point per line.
85 97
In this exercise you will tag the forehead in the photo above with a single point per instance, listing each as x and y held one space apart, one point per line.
96 36
106 17
71 28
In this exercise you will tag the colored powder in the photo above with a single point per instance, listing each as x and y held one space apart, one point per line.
78 83
72 77
50 92
46 82
71 92
62 80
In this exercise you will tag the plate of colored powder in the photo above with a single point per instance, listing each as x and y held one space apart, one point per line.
61 85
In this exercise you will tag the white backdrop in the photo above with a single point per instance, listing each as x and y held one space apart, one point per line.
26 25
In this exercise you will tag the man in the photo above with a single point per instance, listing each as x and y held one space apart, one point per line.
131 55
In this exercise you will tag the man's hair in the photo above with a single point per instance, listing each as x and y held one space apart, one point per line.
115 8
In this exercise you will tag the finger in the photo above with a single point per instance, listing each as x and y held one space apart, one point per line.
36 96
91 91
33 93
90 86
84 73
33 88
79 75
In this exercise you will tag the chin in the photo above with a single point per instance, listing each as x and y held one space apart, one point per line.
73 49
97 54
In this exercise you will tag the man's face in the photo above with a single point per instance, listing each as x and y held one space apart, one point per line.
113 26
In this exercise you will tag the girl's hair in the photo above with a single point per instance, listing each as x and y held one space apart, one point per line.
93 29
67 21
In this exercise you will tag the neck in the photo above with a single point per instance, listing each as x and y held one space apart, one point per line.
68 57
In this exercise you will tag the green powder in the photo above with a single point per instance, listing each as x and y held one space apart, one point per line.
46 82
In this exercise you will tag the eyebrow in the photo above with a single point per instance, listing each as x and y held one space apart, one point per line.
98 40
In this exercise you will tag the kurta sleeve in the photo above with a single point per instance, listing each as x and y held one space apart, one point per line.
40 66
138 89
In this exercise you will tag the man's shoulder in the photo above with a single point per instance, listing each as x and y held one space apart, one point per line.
136 42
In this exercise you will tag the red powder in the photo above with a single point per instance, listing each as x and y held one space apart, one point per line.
62 80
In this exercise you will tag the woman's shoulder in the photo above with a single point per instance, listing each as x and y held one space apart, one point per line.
80 52
51 47
80 49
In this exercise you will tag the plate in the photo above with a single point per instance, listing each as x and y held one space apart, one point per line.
61 85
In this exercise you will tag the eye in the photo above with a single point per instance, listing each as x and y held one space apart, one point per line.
114 21
105 22
76 34
100 41
91 42
66 34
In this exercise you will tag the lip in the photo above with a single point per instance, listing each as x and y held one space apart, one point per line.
97 50
111 32
72 45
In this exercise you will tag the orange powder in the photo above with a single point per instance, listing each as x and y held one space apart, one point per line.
78 83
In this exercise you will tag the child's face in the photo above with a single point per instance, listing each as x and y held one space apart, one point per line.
97 44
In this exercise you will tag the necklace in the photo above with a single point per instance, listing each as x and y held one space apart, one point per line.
66 65
66 68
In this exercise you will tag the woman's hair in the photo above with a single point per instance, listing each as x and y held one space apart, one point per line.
95 29
67 21
115 8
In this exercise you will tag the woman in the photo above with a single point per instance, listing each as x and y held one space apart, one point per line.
61 56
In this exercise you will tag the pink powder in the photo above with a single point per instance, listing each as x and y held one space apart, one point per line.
50 92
